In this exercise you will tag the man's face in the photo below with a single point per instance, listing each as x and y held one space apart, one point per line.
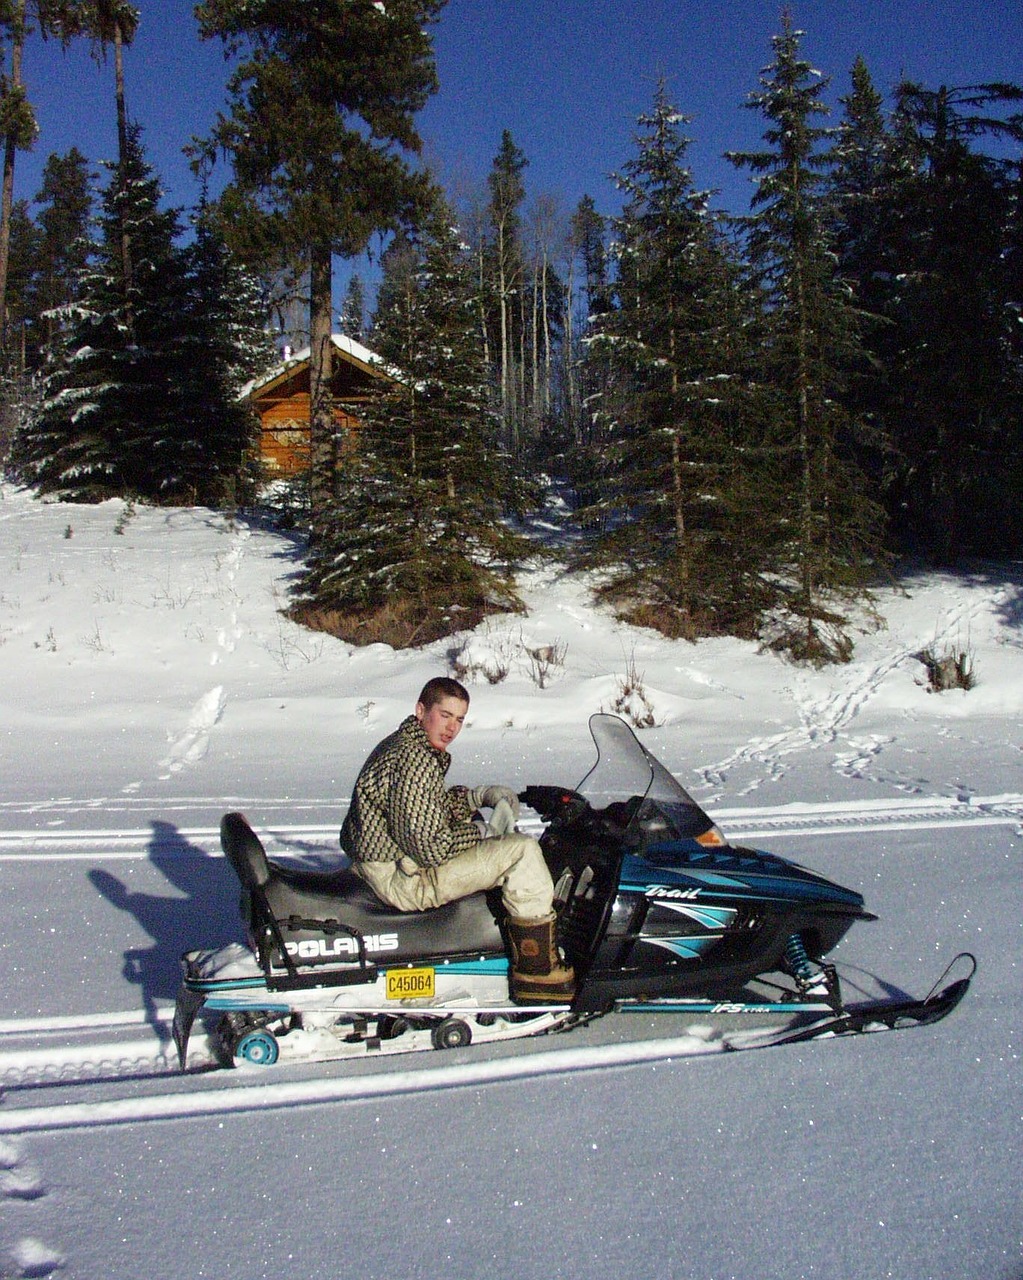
443 722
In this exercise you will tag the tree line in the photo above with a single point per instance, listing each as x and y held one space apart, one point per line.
753 411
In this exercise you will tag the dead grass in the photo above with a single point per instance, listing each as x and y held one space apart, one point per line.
402 623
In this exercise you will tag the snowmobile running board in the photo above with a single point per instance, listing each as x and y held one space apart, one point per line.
869 1016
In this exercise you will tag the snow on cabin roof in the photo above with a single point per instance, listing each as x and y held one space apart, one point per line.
355 350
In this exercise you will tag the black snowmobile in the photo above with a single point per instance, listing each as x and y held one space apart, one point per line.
657 913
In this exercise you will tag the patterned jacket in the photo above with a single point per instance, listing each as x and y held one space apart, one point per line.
400 805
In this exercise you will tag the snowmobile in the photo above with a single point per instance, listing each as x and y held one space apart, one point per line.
657 912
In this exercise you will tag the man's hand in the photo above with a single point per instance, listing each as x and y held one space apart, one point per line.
490 797
502 820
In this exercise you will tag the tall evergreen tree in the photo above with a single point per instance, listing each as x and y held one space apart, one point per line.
353 309
145 409
321 116
65 199
669 409
18 393
862 177
586 246
953 403
813 337
416 548
223 343
103 428
22 286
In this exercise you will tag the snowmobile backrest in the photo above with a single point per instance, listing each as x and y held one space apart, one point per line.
244 851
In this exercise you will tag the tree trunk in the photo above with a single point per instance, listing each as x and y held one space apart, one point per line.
7 197
122 150
545 311
484 337
323 455
568 355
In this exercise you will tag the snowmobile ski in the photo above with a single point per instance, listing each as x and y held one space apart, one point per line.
889 1015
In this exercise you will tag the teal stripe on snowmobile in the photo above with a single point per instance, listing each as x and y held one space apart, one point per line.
225 1003
495 965
224 984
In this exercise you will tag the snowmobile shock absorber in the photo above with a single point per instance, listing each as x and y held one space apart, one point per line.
802 967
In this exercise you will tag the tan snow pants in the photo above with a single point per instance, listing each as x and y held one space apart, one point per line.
513 862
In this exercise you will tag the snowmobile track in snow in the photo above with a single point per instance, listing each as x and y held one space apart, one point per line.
30 843
251 1090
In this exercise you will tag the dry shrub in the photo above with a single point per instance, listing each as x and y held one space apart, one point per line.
660 613
402 623
811 646
631 702
492 662
951 669
544 660
669 622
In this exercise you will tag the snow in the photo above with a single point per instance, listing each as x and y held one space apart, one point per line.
152 684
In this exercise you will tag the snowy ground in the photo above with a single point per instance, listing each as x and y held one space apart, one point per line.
152 684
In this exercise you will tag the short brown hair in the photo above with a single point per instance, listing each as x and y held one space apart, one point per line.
442 687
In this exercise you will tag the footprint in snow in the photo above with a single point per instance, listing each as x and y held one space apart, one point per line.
17 1181
193 744
33 1258
21 1184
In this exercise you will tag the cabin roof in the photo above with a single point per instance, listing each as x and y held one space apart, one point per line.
352 352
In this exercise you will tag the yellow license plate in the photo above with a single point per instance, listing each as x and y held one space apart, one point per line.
411 984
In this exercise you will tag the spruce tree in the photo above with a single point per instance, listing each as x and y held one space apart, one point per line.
827 523
583 379
670 351
140 386
353 309
953 404
17 393
223 343
861 180
416 548
65 199
103 427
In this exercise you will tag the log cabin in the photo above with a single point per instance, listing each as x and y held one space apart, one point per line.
281 400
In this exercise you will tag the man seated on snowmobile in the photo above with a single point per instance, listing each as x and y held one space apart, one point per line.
416 845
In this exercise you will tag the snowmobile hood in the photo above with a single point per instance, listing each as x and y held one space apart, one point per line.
674 868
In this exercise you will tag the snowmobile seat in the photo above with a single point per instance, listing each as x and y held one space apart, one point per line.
321 911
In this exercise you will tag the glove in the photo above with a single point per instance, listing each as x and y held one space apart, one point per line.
490 797
502 820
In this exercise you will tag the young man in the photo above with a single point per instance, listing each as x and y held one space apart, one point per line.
415 844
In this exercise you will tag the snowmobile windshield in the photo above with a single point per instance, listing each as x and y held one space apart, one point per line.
639 791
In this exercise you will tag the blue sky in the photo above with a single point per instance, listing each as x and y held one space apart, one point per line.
568 78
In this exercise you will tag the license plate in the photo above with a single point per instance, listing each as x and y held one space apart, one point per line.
411 984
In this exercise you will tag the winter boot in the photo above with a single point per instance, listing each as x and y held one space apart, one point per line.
538 974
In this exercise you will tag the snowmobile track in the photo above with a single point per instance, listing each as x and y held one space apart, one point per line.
134 843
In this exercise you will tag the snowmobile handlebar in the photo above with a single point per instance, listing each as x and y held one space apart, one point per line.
554 804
